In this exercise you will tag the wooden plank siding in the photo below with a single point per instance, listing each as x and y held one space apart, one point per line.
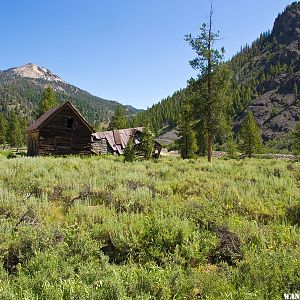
101 147
64 132
33 143
57 138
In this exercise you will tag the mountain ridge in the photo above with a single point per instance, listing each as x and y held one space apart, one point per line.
21 89
266 81
34 71
275 62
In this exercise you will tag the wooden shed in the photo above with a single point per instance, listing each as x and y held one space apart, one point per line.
61 130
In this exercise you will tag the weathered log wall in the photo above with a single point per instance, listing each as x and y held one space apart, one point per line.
100 146
33 143
64 133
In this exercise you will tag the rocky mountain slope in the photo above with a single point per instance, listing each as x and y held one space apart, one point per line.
21 90
34 71
273 64
266 80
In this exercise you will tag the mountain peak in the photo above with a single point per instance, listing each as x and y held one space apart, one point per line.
287 25
31 70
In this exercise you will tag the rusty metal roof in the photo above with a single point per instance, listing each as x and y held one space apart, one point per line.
117 139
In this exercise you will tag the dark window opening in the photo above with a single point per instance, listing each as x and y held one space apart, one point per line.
70 122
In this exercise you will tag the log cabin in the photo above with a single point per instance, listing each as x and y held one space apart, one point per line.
59 131
63 130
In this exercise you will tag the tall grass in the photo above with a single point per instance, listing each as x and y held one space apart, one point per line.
96 228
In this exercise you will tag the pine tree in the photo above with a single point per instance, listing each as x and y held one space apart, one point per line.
250 136
147 141
214 76
23 124
295 90
3 129
15 137
48 100
296 134
231 146
118 120
187 141
129 152
296 139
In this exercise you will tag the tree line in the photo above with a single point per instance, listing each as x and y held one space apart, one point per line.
132 151
204 111
13 126
12 130
207 114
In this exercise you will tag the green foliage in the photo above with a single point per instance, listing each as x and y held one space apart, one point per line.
296 139
215 119
129 152
13 130
231 147
118 120
147 142
208 58
250 136
15 136
23 96
175 223
3 129
48 100
279 144
162 114
187 142
213 100
295 90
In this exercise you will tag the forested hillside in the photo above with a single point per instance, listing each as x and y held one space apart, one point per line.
21 90
266 79
161 115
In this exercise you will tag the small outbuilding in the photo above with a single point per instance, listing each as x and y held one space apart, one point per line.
59 131
115 141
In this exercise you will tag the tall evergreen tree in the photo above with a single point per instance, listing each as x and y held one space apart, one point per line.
15 137
129 152
118 120
3 129
296 139
214 76
48 100
296 134
250 136
187 141
24 124
147 141
231 146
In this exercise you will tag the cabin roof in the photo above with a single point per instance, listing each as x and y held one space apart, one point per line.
51 112
117 139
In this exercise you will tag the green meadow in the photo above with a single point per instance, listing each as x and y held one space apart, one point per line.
99 228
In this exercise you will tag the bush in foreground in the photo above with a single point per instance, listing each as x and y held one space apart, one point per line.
96 228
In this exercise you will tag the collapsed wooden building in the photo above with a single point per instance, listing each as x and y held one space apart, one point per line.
115 141
63 130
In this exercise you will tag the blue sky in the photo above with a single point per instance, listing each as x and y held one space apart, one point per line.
132 51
